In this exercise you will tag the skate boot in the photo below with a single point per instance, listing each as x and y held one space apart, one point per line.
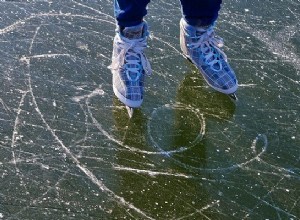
129 65
202 47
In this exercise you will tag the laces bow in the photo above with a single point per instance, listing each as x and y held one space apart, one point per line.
209 45
131 54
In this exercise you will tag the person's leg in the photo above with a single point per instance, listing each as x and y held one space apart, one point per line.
129 63
200 12
202 47
130 12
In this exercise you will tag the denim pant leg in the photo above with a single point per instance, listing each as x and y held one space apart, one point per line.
130 12
200 12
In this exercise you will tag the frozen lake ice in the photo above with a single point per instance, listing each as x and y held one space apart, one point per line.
69 151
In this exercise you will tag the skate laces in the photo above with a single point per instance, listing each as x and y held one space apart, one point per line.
131 54
210 44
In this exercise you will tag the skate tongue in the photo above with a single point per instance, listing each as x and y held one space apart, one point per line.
202 28
134 32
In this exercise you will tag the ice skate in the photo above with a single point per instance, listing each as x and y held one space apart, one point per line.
129 65
201 46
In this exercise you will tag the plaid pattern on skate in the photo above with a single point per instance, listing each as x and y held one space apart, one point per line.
223 80
215 69
132 90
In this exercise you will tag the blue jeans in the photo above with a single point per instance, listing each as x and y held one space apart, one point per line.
196 12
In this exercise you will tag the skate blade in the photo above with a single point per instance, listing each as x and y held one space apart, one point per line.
233 96
129 111
188 59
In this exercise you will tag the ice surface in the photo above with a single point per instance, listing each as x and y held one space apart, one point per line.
69 151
